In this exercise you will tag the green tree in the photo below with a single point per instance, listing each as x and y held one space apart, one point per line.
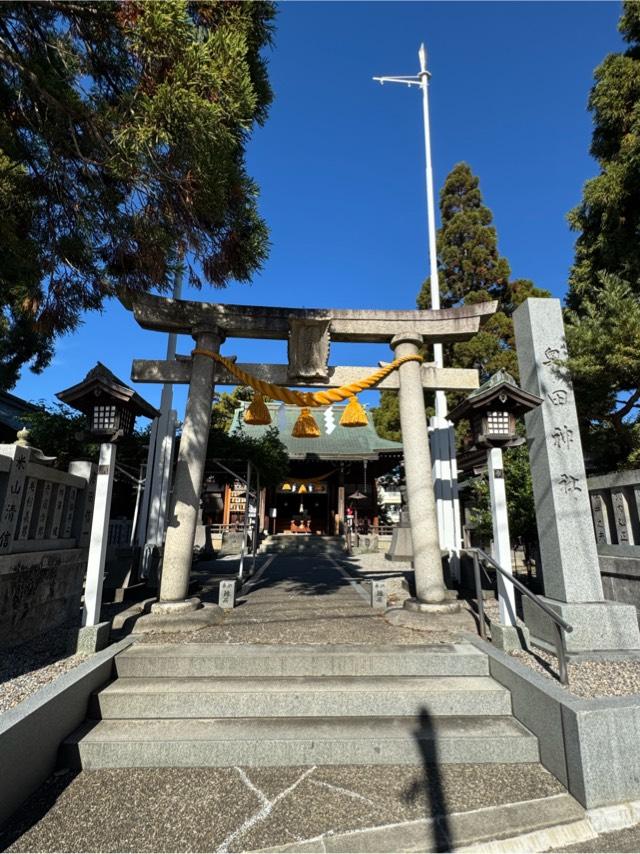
604 344
267 453
608 217
386 416
226 403
471 270
61 432
603 329
123 128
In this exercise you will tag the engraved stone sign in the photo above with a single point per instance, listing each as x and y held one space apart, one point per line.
379 594
567 544
600 521
227 595
621 516
570 565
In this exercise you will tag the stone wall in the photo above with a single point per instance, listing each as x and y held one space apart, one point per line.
615 509
45 523
38 591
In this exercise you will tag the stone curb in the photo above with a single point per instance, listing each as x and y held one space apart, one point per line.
31 732
540 824
590 745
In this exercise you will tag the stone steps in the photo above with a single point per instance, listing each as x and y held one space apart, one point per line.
302 544
191 660
343 696
259 742
258 705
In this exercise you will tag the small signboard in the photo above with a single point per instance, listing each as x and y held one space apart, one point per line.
379 595
227 595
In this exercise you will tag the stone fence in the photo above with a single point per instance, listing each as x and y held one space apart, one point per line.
45 525
615 508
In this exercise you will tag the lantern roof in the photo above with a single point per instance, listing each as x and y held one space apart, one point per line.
101 383
499 391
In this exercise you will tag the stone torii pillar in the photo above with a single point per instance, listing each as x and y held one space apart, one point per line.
427 557
178 550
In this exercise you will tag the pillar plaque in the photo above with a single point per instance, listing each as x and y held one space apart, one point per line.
308 349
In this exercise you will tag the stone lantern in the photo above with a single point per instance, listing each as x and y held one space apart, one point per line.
109 404
111 408
492 411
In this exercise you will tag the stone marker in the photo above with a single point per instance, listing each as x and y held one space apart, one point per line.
227 595
379 595
570 566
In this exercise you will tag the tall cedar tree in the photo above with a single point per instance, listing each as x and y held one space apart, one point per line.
123 128
470 270
603 328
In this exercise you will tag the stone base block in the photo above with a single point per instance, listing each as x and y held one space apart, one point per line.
401 548
184 621
90 639
509 638
447 606
597 626
183 606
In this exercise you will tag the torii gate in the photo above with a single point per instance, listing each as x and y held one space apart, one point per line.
308 332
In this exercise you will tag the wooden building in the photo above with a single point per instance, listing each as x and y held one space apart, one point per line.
324 473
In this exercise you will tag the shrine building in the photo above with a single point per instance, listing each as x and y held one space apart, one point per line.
324 472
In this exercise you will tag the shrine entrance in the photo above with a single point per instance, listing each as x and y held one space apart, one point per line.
308 333
302 508
323 472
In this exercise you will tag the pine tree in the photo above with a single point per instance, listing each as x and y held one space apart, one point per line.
123 128
603 328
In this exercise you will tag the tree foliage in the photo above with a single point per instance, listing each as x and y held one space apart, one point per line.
123 128
603 301
608 217
520 501
225 404
604 344
471 270
266 453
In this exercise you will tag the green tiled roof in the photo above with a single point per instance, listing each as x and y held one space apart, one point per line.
342 442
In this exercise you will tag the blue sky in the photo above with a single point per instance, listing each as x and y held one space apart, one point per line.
340 161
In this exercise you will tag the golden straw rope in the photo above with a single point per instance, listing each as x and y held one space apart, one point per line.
307 398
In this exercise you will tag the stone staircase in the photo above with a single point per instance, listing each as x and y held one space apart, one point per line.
303 545
207 705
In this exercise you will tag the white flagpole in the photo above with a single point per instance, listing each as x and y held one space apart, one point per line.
441 399
422 80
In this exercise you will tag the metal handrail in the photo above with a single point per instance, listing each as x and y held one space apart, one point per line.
559 625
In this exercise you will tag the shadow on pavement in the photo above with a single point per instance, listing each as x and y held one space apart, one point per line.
34 808
431 786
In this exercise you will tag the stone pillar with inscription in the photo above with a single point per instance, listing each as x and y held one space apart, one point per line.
571 571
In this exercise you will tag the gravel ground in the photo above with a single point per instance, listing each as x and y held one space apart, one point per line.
591 678
244 809
26 668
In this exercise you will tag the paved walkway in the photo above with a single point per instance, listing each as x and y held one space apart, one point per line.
246 809
289 600
310 600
